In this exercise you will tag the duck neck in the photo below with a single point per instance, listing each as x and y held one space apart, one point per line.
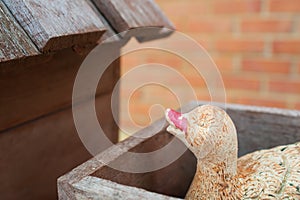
215 180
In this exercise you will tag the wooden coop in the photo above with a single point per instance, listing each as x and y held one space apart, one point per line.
257 127
43 44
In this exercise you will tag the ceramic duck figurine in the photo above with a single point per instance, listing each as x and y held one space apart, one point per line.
211 135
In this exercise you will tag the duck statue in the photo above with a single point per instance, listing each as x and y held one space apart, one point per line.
211 136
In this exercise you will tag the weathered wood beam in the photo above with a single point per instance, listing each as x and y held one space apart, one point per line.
57 24
110 34
131 17
14 43
95 188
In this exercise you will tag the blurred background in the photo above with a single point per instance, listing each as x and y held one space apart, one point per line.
254 43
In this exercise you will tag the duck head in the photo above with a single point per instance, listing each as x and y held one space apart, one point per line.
207 131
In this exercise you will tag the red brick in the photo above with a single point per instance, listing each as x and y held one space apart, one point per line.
285 86
297 27
142 120
129 62
209 25
261 102
196 81
266 65
284 5
233 82
172 61
138 108
137 58
258 25
180 8
224 64
297 106
203 96
177 11
287 46
203 42
144 109
236 6
239 45
183 44
214 33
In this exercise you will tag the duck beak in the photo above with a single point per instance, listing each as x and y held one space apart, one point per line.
177 121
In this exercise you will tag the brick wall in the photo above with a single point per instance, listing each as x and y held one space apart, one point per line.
255 44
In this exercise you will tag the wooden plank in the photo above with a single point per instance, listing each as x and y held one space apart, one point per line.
110 34
94 188
14 43
130 17
176 186
42 86
34 155
154 34
263 128
258 127
57 24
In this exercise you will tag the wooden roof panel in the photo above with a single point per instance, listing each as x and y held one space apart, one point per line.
127 15
57 24
14 43
110 35
30 26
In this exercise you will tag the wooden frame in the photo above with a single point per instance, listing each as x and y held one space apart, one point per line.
258 128
43 44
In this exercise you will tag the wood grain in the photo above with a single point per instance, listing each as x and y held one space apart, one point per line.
130 17
173 180
258 127
56 24
34 155
44 86
110 34
14 43
263 128
94 188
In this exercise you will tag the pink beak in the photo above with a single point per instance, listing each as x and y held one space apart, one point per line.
177 119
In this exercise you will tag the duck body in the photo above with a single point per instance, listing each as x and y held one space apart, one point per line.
265 174
271 174
211 135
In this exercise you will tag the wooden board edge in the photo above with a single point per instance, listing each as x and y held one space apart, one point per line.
46 41
96 188
23 44
64 190
251 108
71 40
130 28
163 33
